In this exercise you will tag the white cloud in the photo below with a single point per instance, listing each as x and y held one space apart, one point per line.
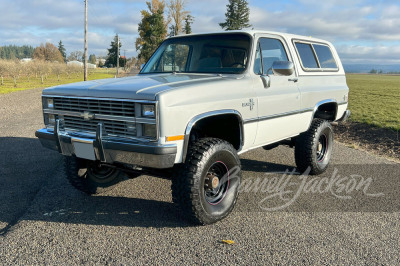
362 29
369 54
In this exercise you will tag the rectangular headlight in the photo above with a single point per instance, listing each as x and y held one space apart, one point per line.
50 103
148 110
52 119
149 131
49 120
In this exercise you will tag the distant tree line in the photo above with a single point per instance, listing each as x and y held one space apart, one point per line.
16 52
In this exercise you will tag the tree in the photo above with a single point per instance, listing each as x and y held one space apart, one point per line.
171 31
58 69
152 30
92 59
3 70
28 69
62 50
14 70
188 24
16 52
75 56
112 54
48 52
177 15
237 15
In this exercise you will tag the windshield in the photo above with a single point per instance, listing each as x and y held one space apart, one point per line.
220 53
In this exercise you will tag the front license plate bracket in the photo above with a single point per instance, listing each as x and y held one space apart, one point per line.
84 150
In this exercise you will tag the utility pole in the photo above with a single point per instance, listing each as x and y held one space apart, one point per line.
125 59
86 46
117 54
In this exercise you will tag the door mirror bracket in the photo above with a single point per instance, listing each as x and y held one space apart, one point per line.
266 79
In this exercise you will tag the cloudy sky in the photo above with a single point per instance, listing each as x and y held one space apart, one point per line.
363 31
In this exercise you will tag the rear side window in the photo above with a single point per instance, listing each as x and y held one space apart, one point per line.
325 56
306 55
316 57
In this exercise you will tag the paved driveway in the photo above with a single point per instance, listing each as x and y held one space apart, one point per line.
348 215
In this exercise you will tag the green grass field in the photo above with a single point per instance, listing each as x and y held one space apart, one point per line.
35 82
375 100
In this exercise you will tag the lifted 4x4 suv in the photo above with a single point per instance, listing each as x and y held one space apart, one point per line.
199 102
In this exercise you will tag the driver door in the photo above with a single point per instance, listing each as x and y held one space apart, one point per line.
278 103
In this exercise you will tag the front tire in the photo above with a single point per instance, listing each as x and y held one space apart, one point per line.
206 186
90 177
314 148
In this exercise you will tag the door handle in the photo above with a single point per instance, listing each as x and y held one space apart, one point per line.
294 80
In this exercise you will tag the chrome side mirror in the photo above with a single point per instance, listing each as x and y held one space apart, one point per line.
283 68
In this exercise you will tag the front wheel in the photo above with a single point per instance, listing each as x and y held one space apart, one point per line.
91 177
314 148
206 186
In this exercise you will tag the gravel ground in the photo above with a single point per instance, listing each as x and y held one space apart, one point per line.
43 220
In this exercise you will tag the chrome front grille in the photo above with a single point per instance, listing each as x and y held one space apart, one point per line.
101 107
116 128
83 115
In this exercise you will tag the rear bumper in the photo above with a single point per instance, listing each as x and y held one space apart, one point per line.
109 150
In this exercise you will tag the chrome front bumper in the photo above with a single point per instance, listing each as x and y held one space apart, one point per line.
109 150
345 116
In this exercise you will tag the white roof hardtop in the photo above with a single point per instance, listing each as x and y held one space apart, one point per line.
254 32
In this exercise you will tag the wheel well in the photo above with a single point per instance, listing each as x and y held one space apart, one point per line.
327 111
227 127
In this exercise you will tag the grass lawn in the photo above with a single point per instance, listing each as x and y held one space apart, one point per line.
23 83
375 100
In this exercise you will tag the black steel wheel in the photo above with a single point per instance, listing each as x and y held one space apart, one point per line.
206 186
314 148
91 177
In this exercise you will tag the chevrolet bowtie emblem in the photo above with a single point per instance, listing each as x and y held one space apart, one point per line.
87 115
250 103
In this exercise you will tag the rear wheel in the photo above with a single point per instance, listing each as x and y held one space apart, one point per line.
206 186
91 177
314 148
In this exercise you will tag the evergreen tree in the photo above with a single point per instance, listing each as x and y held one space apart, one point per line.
62 50
152 30
112 54
16 52
237 15
171 31
92 59
188 24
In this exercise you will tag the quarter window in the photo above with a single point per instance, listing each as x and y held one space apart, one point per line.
325 56
316 57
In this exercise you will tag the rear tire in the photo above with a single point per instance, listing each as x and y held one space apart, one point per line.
90 177
206 186
314 148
